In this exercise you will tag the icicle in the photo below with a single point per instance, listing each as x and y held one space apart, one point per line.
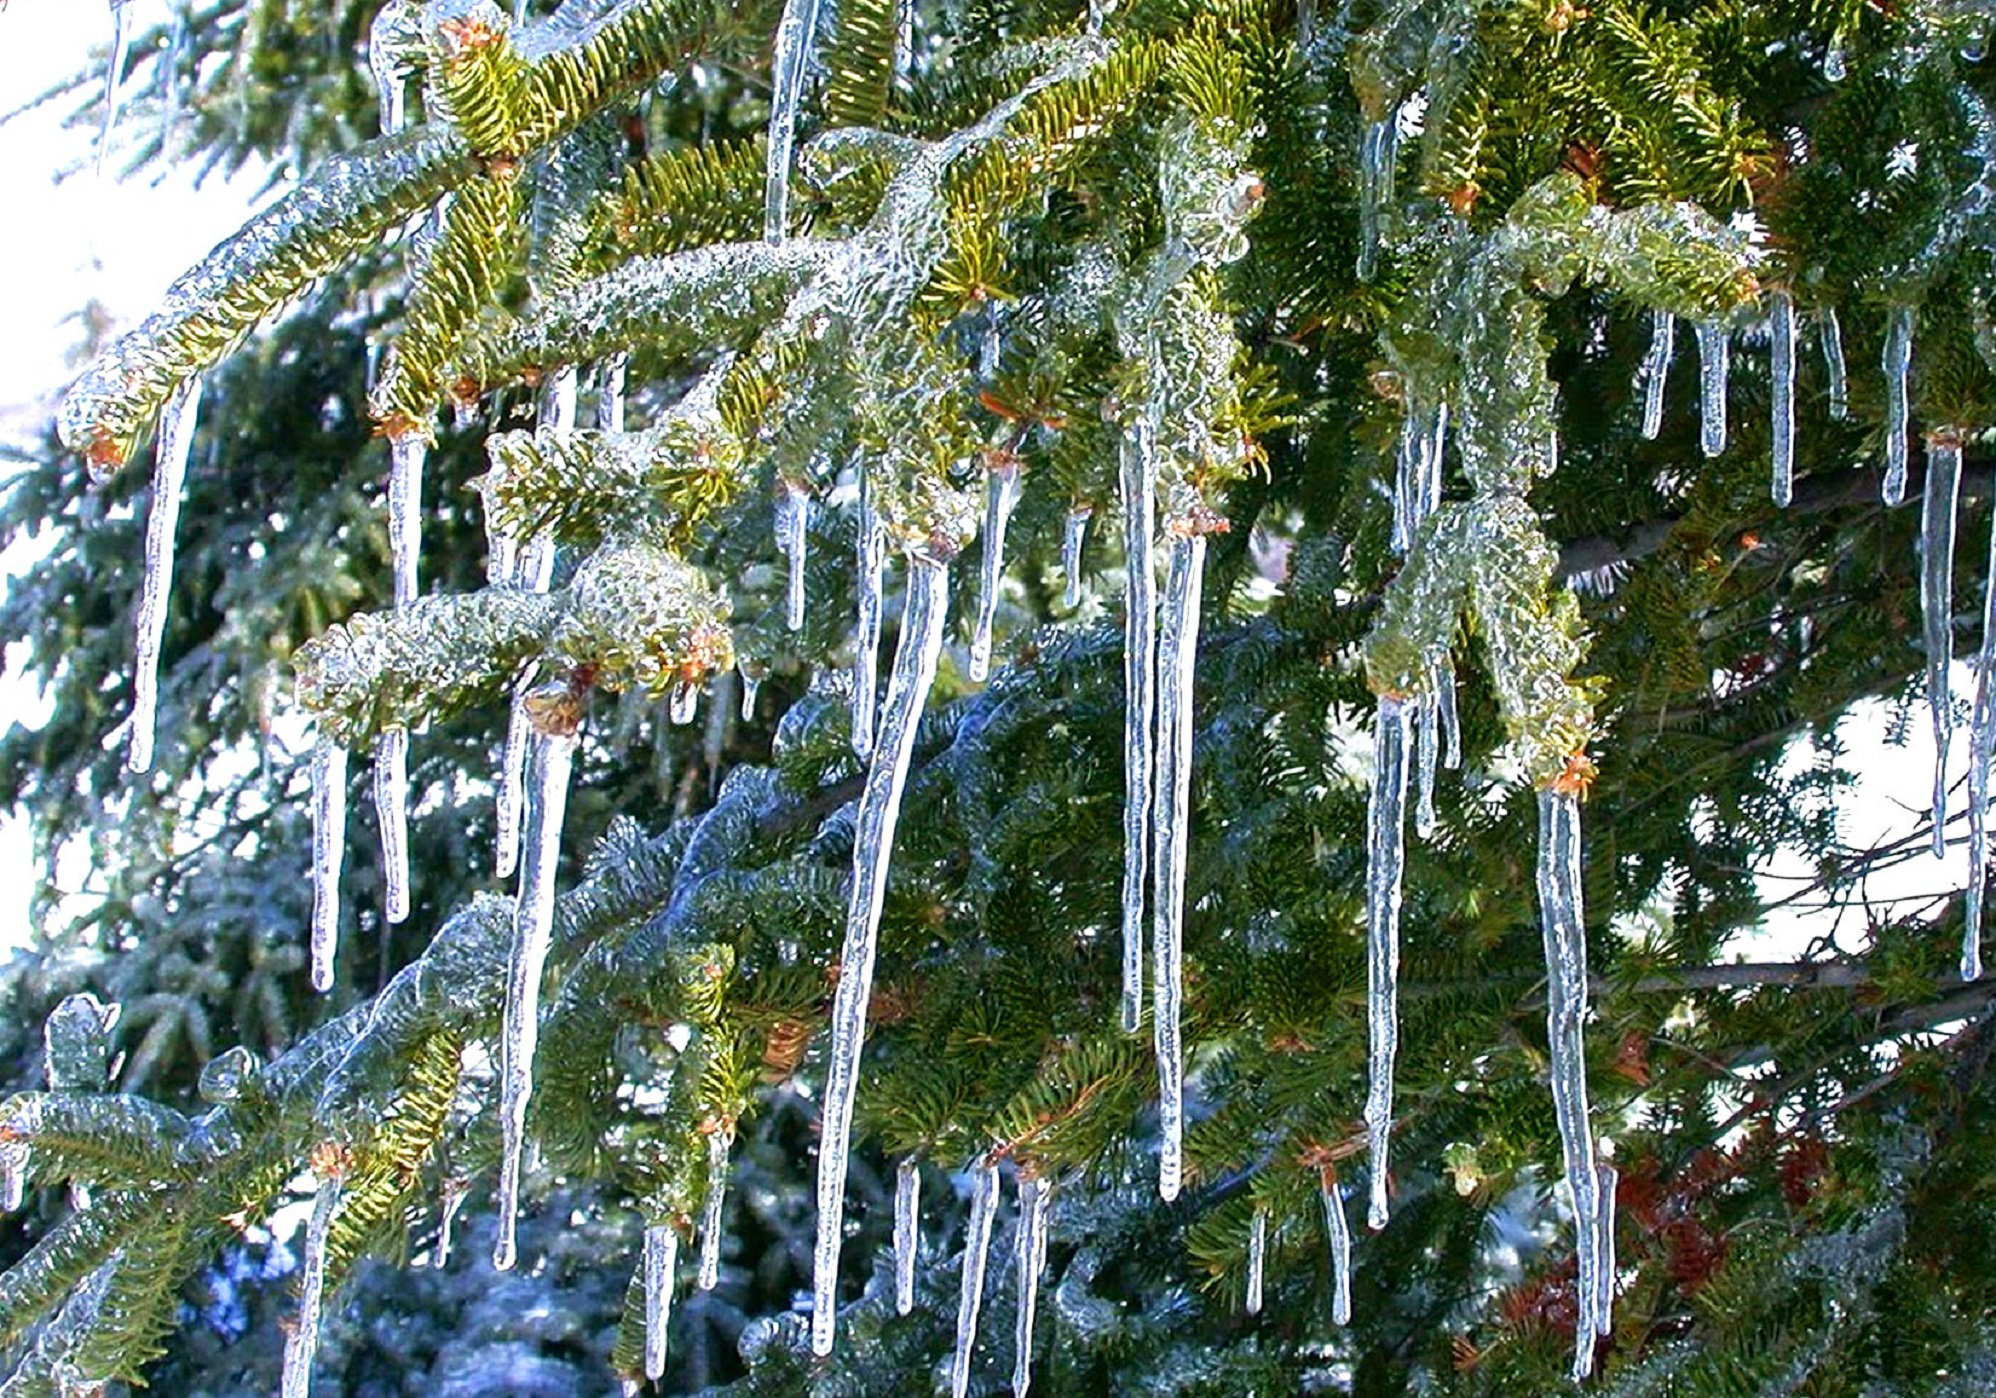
904 41
14 1158
751 677
976 1248
710 1210
1377 147
610 393
405 512
1071 539
1407 493
301 1346
1001 497
1427 730
1833 361
907 1232
1565 938
391 809
1781 331
121 41
391 86
796 39
533 923
1898 361
1937 519
873 843
661 1261
453 1200
866 634
1604 1265
1656 369
176 441
1834 63
1715 352
1030 1259
532 567
1138 483
329 853
1981 741
1339 1232
1444 680
1257 1259
1176 655
685 703
1384 852
793 538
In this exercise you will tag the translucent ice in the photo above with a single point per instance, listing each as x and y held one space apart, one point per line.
873 843
1656 369
391 811
793 537
872 568
1029 1260
1257 1259
405 513
1427 731
121 41
907 1232
447 1211
1338 1230
1781 334
329 853
796 40
1444 680
1937 518
1981 741
1001 497
1071 539
1715 352
685 703
1138 482
610 393
976 1249
1384 854
711 1209
661 1261
1897 362
1834 363
176 442
1377 147
301 1346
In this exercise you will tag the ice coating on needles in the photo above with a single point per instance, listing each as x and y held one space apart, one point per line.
176 443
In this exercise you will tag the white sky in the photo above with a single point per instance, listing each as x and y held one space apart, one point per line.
65 242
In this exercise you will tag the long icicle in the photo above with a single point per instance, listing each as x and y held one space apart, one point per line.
1385 852
1001 497
793 538
1177 654
552 759
661 1262
1427 730
1564 929
1138 481
1257 1259
796 40
907 1231
711 1210
1937 518
1072 536
1981 741
407 455
1715 353
1897 361
1444 672
976 1250
908 687
1338 1230
176 442
1781 360
1378 145
1604 1248
329 853
1656 369
1030 1260
301 1346
391 811
1835 364
866 634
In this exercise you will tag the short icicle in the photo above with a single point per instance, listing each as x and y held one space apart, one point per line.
1177 653
751 677
796 39
1937 518
551 760
1781 361
1565 934
661 1262
976 1250
1001 497
1385 851
176 443
1604 1265
1834 363
1715 353
879 810
1257 1259
1444 679
1897 362
1378 146
610 393
391 810
1029 1260
301 1346
1138 483
907 1231
1072 536
1656 369
684 704
1427 755
533 569
455 1189
13 1175
872 571
1981 741
711 1209
329 853
1338 1230
407 455
793 539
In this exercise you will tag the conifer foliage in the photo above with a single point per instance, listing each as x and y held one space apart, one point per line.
1124 609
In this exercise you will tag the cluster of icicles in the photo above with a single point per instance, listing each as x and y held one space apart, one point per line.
1161 646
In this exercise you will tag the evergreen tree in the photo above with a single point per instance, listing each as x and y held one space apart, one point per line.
893 709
